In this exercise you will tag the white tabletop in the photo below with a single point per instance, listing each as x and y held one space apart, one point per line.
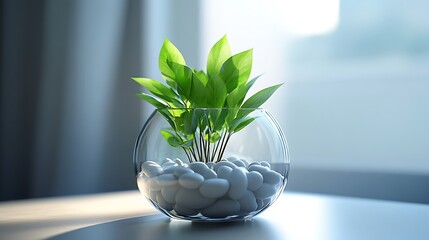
127 215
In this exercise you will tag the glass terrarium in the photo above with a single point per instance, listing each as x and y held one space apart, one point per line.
211 164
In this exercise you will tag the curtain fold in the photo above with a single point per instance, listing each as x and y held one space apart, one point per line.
69 116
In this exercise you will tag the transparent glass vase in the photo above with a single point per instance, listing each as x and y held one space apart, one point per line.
211 164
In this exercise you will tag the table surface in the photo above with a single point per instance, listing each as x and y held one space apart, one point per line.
127 215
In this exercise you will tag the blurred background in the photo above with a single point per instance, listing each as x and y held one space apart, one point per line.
354 107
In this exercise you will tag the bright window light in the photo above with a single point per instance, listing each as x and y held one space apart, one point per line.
307 17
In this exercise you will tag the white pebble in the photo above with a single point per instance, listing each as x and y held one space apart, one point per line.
224 172
214 188
151 169
166 180
162 203
178 171
239 163
232 158
238 182
191 180
209 174
253 163
248 202
246 163
184 211
272 177
192 199
198 167
254 180
224 163
153 194
222 208
178 162
167 160
265 164
265 191
258 168
152 184
169 193
171 164
203 169
210 165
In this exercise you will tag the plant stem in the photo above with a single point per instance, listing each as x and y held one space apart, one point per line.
224 146
187 154
217 144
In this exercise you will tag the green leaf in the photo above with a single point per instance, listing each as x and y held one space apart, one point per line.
198 95
159 90
169 53
183 78
235 71
213 137
218 54
167 115
241 123
152 100
236 97
260 97
190 121
171 138
216 92
220 121
174 140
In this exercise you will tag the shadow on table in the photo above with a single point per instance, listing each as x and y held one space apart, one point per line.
160 227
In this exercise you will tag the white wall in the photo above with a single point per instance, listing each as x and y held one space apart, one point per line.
356 97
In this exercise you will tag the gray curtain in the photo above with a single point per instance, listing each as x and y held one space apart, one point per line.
69 116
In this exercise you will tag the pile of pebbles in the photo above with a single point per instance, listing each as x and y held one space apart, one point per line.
215 190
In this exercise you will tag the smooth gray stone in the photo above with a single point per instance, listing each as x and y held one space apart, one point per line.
232 158
210 165
178 170
178 162
246 163
191 180
192 199
203 169
214 188
272 177
254 180
265 191
162 203
151 168
169 193
224 172
184 211
238 184
209 174
248 202
265 164
164 180
253 163
258 168
153 194
239 163
152 184
224 163
222 208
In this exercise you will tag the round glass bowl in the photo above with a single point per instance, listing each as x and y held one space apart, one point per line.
211 164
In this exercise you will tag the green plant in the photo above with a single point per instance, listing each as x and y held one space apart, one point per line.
204 109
